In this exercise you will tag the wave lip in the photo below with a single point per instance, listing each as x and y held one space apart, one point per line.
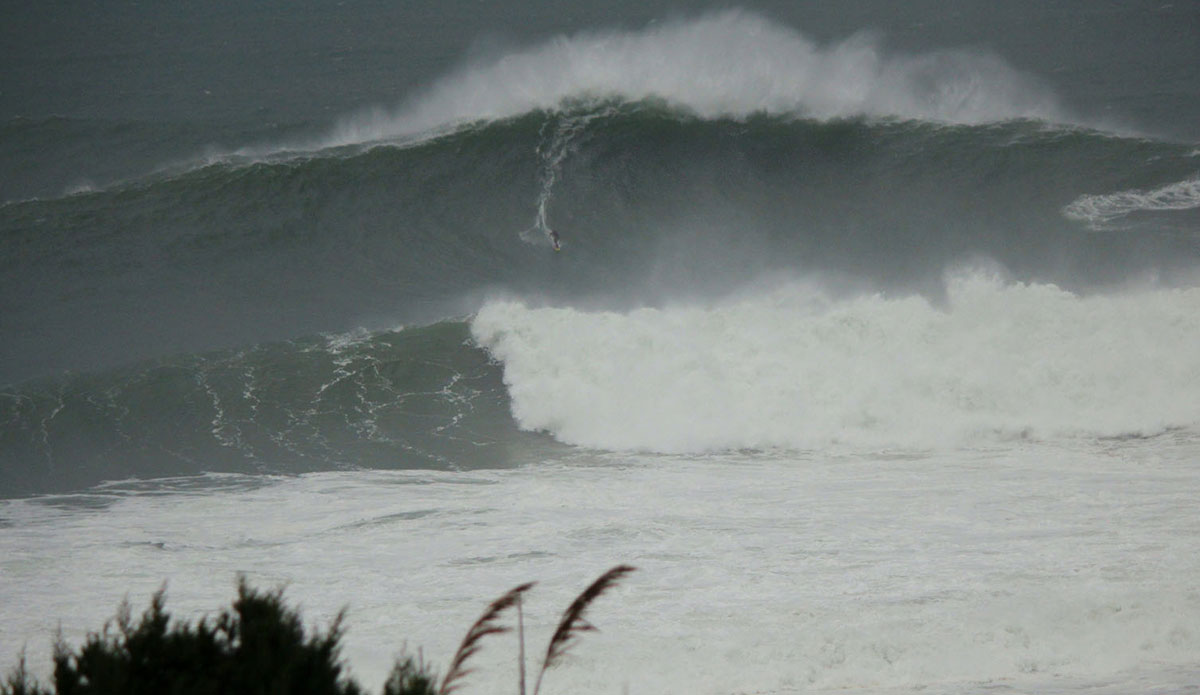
794 369
725 64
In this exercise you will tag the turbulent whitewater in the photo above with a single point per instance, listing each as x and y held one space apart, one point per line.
789 368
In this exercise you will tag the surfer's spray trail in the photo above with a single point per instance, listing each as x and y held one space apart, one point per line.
557 139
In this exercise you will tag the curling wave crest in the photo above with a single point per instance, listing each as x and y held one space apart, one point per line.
796 369
726 64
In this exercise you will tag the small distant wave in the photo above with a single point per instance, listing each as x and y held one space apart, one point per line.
1100 210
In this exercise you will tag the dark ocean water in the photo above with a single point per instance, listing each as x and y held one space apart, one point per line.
253 239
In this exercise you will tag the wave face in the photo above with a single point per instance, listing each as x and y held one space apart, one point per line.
653 204
163 321
408 398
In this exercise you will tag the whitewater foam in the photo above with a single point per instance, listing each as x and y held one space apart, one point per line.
725 64
1032 569
1099 210
796 369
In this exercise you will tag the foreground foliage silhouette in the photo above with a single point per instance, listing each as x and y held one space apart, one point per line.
259 647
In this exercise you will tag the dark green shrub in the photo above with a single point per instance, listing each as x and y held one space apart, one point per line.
257 647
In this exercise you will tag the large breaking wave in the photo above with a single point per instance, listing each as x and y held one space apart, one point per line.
756 227
791 368
784 366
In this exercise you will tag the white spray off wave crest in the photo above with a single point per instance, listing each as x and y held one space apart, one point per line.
794 369
728 64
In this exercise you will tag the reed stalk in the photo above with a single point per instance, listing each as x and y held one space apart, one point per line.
488 624
573 624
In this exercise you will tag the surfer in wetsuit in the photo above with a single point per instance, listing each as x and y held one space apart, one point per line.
554 240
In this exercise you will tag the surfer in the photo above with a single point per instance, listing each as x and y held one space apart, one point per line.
554 240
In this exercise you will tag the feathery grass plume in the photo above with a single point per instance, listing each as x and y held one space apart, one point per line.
486 625
573 622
